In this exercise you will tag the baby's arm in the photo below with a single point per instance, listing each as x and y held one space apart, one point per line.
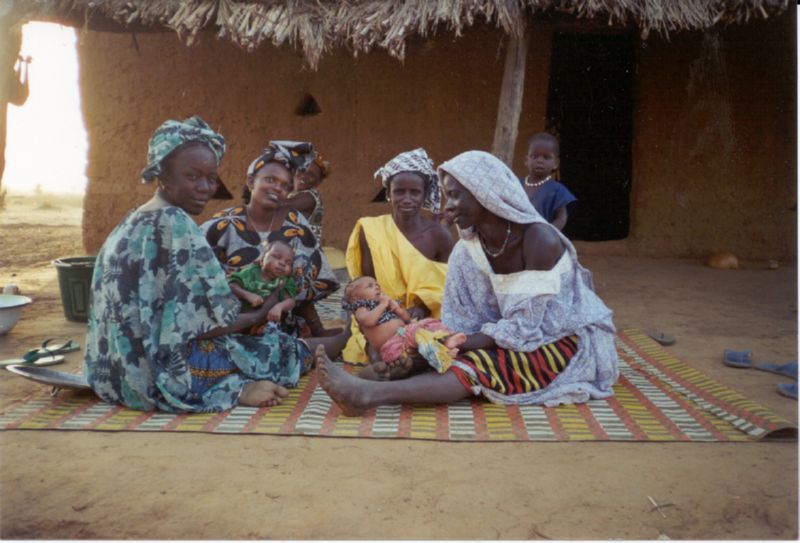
303 202
239 291
401 312
369 318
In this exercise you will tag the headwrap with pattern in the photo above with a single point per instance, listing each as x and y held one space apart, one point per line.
295 155
418 162
493 184
173 134
323 163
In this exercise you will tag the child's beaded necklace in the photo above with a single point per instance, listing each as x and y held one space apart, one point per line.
537 183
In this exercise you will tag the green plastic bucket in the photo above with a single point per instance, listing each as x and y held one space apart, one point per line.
75 283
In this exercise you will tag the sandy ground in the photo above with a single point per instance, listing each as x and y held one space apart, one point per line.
69 485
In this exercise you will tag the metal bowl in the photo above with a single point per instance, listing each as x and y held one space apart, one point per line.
10 310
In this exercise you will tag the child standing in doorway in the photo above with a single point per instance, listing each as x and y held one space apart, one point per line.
552 200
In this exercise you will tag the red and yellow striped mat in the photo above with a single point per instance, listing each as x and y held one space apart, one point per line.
658 398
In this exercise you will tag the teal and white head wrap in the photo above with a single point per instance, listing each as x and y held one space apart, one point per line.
173 134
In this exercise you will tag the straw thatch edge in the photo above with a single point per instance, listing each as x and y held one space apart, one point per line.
318 26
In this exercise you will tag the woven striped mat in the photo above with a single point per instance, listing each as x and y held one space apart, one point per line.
658 398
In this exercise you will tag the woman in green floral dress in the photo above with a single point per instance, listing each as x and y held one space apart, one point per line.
165 331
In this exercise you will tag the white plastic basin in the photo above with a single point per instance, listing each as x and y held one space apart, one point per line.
10 310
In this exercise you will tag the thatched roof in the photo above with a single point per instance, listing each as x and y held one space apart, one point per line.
317 26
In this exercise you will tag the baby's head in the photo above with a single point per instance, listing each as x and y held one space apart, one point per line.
363 288
277 259
542 157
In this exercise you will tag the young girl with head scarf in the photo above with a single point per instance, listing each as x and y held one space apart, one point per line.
305 196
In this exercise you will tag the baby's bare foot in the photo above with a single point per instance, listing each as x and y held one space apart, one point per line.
347 391
454 340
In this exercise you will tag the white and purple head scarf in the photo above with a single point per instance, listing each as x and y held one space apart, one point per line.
493 184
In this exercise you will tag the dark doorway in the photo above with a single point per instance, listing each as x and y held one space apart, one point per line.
590 109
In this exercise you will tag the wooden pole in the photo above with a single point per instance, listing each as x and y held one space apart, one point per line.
511 92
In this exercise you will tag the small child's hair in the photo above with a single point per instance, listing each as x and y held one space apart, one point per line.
269 244
546 137
351 286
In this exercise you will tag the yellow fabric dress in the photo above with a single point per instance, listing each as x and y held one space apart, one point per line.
402 271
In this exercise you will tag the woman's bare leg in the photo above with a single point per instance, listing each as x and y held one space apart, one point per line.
333 345
308 311
354 395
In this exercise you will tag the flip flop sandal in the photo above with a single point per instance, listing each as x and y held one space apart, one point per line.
47 355
788 389
787 370
662 338
31 361
738 359
54 346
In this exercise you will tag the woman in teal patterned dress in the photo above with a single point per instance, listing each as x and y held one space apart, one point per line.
165 331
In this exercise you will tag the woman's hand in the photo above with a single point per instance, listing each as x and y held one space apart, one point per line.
477 341
419 312
255 300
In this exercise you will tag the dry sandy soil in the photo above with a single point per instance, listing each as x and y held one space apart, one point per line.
69 485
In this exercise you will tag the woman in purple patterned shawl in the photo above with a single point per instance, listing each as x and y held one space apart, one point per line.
536 331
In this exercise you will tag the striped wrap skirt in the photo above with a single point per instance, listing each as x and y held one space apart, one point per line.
511 372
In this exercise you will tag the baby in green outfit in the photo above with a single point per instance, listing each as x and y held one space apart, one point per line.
254 283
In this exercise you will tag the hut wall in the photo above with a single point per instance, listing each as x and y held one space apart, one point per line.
714 144
443 98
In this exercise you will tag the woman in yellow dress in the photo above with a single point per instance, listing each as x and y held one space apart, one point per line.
404 251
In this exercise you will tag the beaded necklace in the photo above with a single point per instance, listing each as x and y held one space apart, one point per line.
537 183
502 248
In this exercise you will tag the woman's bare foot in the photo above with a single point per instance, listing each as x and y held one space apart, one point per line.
399 369
262 394
347 391
370 373
454 340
